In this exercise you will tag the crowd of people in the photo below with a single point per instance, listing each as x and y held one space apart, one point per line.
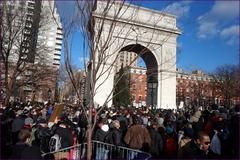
189 133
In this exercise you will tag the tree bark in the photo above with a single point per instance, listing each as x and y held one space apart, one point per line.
89 142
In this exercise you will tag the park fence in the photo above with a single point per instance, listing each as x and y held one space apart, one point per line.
100 151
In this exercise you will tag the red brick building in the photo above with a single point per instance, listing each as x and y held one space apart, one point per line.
198 88
195 88
138 86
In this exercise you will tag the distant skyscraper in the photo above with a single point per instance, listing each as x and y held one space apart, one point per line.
126 58
50 33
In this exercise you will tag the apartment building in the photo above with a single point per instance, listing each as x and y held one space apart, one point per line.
126 59
38 45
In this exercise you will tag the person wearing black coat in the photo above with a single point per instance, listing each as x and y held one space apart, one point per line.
65 134
234 139
116 134
42 136
101 135
198 148
22 149
156 146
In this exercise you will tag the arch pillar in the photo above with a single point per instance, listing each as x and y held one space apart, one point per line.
167 77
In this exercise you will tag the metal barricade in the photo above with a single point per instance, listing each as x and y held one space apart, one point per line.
100 151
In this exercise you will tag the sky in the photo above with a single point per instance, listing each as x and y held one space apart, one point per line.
210 32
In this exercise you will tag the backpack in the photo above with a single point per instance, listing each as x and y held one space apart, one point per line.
55 143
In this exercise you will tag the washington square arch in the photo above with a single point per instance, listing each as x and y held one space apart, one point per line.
149 33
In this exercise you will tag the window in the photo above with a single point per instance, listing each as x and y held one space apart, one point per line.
58 49
57 38
60 44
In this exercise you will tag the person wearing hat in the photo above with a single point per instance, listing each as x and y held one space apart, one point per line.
28 123
170 148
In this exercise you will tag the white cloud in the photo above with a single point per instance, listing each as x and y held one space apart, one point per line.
230 31
231 34
179 9
207 29
222 12
225 10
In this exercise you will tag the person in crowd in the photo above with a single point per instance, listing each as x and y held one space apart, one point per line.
102 135
170 147
63 130
156 147
196 121
153 131
116 134
186 137
41 135
61 133
28 123
137 136
82 123
235 120
197 148
22 149
17 125
122 118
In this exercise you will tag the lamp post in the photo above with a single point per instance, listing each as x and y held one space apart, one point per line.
152 85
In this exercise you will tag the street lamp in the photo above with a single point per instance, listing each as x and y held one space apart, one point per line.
152 85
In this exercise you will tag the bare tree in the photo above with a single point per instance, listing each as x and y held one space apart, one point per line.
101 30
226 83
66 88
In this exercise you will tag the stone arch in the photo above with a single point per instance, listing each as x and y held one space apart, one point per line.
145 30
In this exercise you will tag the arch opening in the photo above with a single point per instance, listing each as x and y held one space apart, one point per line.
151 76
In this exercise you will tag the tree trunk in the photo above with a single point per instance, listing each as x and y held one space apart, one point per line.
7 98
89 142
33 96
9 92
